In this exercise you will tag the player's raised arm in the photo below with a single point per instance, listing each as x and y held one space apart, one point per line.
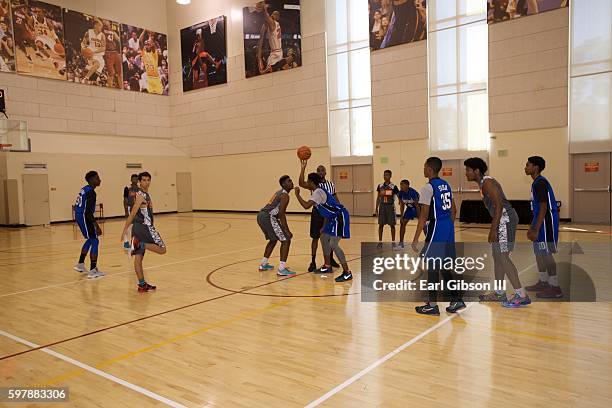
302 180
269 20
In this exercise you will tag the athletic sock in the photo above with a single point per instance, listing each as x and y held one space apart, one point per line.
93 264
264 260
553 280
82 257
499 292
282 266
543 276
433 304
141 282
520 292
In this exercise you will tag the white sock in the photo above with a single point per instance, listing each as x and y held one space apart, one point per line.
520 292
264 260
544 276
553 280
282 266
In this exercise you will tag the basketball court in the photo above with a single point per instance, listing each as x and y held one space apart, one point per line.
169 237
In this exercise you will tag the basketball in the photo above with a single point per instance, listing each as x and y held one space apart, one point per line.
59 49
87 53
304 153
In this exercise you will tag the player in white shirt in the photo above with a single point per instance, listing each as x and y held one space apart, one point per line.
95 40
272 29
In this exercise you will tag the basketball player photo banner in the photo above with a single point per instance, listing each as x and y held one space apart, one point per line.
272 37
92 50
145 60
204 54
503 10
7 45
396 22
39 39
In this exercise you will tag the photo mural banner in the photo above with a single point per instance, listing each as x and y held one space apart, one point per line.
503 10
39 39
204 54
92 50
272 37
396 22
145 60
7 43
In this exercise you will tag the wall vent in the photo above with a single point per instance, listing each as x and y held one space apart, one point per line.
33 166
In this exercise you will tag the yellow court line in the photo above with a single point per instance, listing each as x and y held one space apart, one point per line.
217 325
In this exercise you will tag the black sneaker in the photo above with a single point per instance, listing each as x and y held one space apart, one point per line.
379 245
334 264
455 306
345 277
324 269
428 309
312 267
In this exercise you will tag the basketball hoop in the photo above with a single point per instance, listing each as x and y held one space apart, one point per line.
5 147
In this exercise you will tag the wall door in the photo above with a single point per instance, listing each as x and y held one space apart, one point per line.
354 188
592 199
184 200
36 199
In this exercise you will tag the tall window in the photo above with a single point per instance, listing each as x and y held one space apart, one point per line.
348 88
591 76
458 69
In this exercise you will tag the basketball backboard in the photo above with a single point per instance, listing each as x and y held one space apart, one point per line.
15 133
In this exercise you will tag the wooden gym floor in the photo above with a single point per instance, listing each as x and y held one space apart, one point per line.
219 333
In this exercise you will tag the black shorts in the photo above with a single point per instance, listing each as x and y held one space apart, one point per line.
147 234
316 224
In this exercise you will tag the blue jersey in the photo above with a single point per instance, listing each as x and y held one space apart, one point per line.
440 228
337 217
410 199
441 201
542 192
86 201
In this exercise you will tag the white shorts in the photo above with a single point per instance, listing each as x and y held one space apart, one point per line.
48 41
274 57
100 58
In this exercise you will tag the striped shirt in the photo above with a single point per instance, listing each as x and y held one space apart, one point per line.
328 186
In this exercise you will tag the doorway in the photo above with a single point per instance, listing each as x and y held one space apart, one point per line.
591 196
36 199
184 201
453 171
354 187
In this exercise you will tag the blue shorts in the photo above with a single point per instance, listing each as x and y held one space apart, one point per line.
548 236
339 226
439 239
410 213
88 229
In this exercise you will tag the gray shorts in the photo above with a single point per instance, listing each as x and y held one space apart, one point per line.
147 234
506 232
386 214
271 227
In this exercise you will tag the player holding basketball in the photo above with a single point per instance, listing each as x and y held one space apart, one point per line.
46 40
437 213
272 220
316 219
95 41
544 230
112 59
84 211
150 59
337 224
409 207
502 233
272 29
144 235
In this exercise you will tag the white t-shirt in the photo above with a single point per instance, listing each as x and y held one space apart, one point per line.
425 194
318 196
134 44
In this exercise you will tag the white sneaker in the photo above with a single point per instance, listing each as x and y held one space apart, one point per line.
95 273
80 267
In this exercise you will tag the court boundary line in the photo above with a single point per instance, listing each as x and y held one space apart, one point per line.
392 354
97 372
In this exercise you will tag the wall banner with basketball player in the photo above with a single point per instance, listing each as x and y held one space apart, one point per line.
503 10
204 54
7 45
92 50
272 37
396 22
145 60
39 39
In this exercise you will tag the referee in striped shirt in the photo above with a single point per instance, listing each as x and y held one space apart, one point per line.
316 220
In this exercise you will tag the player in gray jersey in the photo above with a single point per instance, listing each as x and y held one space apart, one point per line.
273 223
144 235
503 229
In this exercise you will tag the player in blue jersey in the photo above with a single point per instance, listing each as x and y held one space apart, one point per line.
544 230
409 207
84 210
437 216
336 227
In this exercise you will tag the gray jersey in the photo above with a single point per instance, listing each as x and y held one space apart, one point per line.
488 202
132 191
273 205
144 214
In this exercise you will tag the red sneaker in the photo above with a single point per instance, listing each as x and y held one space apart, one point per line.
145 287
538 287
551 292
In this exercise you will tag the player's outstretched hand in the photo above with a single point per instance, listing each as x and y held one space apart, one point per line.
303 163
297 190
